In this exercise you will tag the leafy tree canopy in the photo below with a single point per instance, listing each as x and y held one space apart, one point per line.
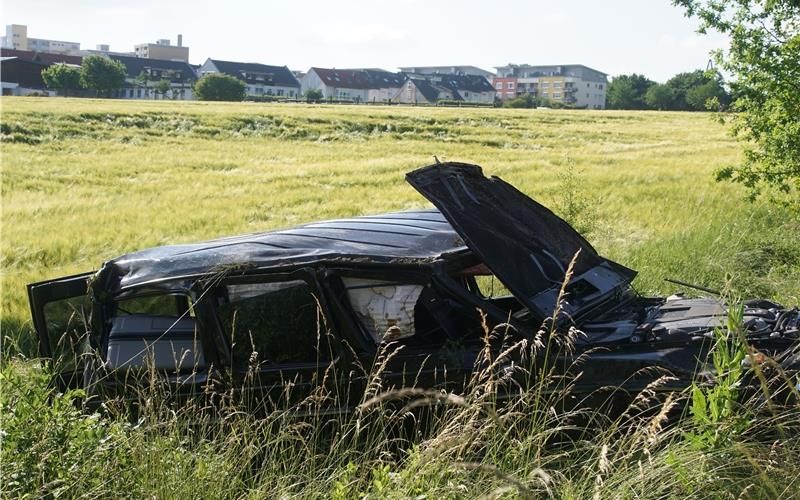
219 87
313 95
764 60
659 96
628 92
62 76
102 74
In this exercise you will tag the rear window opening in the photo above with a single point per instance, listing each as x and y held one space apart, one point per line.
156 330
155 305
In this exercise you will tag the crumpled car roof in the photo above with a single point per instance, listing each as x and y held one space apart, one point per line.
411 236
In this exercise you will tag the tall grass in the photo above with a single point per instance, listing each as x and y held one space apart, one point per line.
86 180
411 441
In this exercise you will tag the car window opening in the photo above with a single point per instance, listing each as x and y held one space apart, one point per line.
412 313
480 280
157 329
68 331
273 324
384 308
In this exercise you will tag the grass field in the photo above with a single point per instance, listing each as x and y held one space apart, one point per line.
87 180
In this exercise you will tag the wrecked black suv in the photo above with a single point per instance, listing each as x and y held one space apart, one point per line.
267 308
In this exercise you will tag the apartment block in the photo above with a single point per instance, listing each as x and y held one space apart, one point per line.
17 38
447 70
573 84
164 50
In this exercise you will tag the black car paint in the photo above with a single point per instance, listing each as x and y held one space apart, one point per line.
420 247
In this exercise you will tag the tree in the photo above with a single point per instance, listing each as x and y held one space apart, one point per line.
659 96
219 87
313 95
764 60
710 95
628 91
162 87
102 74
62 77
684 83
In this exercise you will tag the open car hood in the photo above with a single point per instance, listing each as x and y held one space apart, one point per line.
524 244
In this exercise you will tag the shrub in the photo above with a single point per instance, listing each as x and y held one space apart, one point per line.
219 87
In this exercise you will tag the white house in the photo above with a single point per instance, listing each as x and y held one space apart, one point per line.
260 79
358 85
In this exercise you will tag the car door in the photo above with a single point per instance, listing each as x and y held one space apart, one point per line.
525 245
60 312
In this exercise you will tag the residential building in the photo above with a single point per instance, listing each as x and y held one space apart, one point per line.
260 79
142 76
357 85
105 50
467 88
447 70
573 84
16 37
21 77
163 50
21 70
422 91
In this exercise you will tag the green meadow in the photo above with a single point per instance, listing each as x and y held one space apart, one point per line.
87 180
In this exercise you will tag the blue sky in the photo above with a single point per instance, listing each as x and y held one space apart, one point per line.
614 36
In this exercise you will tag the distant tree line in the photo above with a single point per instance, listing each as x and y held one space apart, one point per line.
692 91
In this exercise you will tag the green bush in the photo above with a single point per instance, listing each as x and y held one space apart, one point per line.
219 87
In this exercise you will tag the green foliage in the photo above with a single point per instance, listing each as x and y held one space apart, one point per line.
102 74
526 100
312 95
162 87
709 95
716 409
572 202
628 92
62 77
219 87
691 91
644 178
764 59
659 96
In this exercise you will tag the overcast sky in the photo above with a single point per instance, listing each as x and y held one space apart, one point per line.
613 36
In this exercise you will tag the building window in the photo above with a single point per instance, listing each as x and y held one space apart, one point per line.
545 85
545 95
280 92
556 95
557 85
601 86
510 85
499 85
